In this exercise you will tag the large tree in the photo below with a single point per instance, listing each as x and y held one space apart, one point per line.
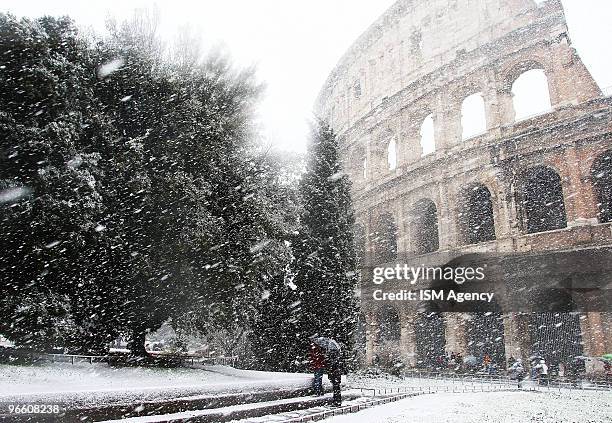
325 259
50 127
132 191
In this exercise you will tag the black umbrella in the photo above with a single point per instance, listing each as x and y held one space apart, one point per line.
326 343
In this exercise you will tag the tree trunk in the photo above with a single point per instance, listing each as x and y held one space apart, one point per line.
137 343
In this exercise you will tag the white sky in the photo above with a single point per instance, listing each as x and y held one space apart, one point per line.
295 44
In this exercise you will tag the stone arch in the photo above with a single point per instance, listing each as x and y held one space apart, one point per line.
389 326
388 337
529 83
542 207
473 116
485 336
476 218
427 139
516 69
379 153
424 227
383 238
601 177
556 335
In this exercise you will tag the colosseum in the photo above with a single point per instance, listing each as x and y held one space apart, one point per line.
448 157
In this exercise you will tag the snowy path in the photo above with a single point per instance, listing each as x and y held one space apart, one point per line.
502 407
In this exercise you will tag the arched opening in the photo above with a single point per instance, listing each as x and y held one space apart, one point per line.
389 326
556 337
601 175
476 220
428 142
485 333
430 340
392 154
425 227
384 239
542 200
530 94
388 337
473 116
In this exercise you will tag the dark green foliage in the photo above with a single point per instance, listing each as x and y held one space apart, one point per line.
50 246
325 259
139 193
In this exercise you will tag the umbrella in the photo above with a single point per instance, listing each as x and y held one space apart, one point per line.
326 343
470 360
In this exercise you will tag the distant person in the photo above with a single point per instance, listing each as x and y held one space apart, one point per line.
542 372
511 361
316 360
517 371
486 363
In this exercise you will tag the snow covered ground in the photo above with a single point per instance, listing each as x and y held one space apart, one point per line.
85 383
480 407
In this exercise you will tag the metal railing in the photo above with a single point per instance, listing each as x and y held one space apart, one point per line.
177 359
553 382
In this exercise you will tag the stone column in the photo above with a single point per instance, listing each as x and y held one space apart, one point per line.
447 122
579 198
446 224
408 347
455 333
411 144
501 211
499 108
403 236
516 336
606 319
371 331
511 224
593 334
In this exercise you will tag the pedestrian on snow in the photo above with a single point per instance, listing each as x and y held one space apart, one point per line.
517 371
511 361
316 359
332 363
542 372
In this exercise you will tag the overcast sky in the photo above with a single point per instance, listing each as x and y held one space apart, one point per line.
295 44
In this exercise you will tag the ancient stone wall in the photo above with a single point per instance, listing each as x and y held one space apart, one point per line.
423 58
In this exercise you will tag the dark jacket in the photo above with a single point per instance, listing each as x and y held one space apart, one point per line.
316 357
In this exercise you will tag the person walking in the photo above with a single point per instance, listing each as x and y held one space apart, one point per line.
316 360
542 372
333 365
517 371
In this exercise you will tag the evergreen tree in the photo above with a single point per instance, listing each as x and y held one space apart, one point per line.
325 259
274 327
52 254
132 192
